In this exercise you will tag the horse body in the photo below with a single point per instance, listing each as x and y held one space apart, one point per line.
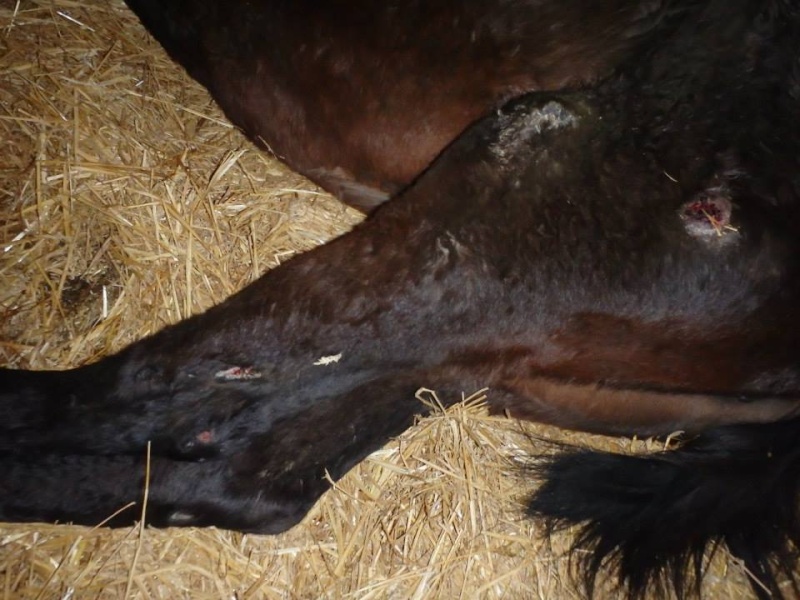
361 96
620 257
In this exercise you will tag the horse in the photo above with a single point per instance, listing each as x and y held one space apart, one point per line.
360 98
593 210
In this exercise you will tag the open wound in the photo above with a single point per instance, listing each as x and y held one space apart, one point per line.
709 214
237 374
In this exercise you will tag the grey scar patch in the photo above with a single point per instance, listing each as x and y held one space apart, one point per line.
521 124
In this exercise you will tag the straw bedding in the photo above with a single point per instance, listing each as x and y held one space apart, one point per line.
127 202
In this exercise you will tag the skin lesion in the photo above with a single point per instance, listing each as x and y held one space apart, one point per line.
238 374
709 214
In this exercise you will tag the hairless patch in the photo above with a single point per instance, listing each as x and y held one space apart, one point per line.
708 214
205 437
237 374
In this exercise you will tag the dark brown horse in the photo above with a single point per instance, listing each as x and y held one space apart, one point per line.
614 246
361 97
